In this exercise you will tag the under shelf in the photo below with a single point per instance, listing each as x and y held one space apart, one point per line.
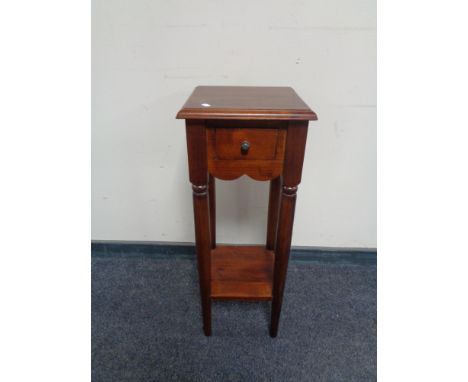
241 272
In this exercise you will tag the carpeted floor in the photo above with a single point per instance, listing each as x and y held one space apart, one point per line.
146 326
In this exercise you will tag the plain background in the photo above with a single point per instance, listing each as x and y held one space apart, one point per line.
147 56
45 217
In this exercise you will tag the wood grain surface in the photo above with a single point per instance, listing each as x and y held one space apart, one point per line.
241 273
245 103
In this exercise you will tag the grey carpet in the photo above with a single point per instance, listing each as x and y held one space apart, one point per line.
146 326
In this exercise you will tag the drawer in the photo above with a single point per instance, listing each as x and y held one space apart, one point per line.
254 149
245 144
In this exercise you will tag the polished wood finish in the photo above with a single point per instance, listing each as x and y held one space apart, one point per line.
241 273
263 160
212 198
295 148
257 170
263 143
261 133
273 212
245 103
198 173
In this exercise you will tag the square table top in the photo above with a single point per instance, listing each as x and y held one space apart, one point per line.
245 103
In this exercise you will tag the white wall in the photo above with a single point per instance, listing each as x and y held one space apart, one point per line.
148 55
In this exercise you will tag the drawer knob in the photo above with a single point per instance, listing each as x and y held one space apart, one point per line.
245 146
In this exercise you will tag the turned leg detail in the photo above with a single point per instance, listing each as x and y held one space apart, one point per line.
203 244
282 248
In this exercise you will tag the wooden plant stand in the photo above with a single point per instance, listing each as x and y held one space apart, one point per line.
256 131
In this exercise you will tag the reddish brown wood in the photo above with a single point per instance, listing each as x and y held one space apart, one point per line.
246 124
263 160
196 150
263 143
212 197
283 245
245 103
198 172
274 122
241 273
257 169
273 212
295 150
294 156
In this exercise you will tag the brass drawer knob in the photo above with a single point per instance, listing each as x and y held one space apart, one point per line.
245 146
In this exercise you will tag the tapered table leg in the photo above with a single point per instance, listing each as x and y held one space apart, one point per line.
212 197
202 237
293 159
283 246
273 212
198 173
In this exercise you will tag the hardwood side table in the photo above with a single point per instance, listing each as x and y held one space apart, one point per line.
256 131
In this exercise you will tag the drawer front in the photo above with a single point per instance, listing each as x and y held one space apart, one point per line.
243 149
245 144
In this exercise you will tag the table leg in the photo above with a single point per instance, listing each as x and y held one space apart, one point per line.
283 246
273 212
202 237
293 160
198 173
212 197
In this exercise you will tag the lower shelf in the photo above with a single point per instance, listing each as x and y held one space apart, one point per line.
241 273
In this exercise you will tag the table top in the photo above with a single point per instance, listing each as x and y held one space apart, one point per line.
245 103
